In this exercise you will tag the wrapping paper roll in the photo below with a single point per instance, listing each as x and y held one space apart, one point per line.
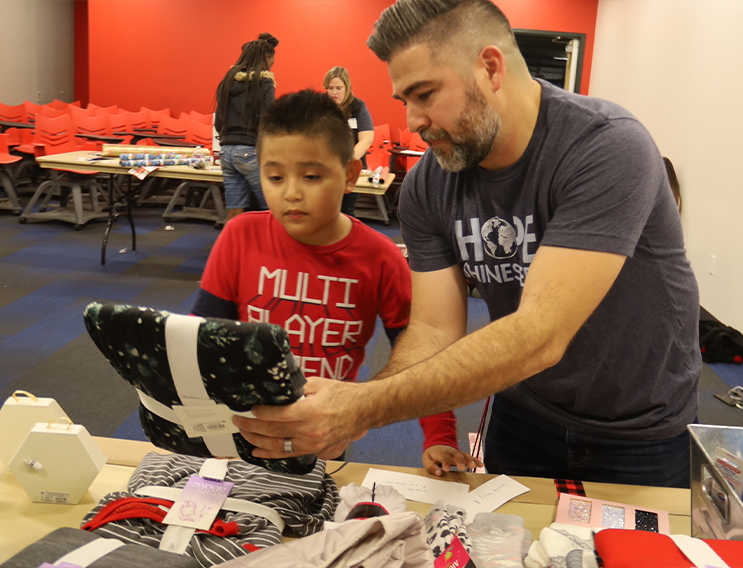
115 150
156 161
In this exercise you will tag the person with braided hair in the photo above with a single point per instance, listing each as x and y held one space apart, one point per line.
244 93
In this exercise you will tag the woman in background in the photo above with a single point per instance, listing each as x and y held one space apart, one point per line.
246 90
338 85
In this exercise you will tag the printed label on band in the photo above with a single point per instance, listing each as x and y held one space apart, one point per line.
206 420
199 503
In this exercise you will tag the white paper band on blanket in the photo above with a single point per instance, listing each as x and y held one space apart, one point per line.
181 341
231 504
167 413
698 552
177 538
90 552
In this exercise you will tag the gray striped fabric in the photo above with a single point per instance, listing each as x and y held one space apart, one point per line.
304 502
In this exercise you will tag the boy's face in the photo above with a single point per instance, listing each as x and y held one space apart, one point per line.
304 183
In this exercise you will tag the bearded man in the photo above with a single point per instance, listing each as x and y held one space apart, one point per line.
592 350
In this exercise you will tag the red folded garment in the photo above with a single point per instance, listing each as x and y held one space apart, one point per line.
149 508
622 548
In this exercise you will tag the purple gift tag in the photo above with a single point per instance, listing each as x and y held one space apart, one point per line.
199 503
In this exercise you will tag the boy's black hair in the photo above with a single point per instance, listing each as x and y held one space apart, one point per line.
312 114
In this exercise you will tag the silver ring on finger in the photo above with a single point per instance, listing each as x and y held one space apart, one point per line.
288 446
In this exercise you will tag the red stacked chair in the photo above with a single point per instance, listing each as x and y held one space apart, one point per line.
99 110
51 112
56 136
378 153
88 127
198 117
155 115
74 111
62 105
10 201
200 134
31 110
15 113
168 127
140 120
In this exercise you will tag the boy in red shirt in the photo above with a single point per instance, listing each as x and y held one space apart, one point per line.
303 265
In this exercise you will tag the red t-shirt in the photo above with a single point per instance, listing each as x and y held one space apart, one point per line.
327 298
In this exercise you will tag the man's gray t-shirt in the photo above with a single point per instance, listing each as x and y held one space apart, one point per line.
591 178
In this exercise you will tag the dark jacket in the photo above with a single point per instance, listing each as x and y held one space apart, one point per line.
359 111
239 129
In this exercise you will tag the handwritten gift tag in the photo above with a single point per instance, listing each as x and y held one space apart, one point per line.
491 495
417 488
199 503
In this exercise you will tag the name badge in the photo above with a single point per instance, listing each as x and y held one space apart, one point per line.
352 123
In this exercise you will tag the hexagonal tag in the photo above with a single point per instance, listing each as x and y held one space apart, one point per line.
18 415
56 463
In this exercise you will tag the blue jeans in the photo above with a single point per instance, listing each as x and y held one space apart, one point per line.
521 443
241 177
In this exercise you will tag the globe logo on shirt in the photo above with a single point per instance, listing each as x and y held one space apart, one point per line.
500 238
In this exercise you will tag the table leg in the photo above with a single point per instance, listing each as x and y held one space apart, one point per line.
113 215
129 196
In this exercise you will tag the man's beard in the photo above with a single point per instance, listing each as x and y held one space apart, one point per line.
476 131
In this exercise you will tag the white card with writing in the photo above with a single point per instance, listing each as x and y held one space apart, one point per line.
491 495
417 488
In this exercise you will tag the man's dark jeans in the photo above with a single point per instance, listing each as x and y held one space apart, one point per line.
521 443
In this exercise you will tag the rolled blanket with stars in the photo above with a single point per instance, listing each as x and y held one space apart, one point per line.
193 374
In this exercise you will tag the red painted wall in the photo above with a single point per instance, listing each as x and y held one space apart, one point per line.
173 53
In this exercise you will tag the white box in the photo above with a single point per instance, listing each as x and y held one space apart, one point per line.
18 415
56 463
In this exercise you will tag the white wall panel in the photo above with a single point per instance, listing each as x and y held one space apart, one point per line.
36 50
676 64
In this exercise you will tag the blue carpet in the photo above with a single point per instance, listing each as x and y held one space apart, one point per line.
731 373
131 429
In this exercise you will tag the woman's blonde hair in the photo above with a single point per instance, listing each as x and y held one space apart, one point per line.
342 74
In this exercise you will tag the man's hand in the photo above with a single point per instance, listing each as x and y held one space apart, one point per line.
440 459
324 423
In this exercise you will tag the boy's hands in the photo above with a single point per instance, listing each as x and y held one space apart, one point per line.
324 423
439 459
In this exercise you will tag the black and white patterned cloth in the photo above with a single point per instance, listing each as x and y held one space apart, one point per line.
304 503
444 523
241 364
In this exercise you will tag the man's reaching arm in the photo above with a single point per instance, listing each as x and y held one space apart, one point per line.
438 318
562 289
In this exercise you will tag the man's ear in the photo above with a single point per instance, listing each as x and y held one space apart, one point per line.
494 62
353 169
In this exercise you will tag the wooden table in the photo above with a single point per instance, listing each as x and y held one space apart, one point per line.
23 522
375 206
91 161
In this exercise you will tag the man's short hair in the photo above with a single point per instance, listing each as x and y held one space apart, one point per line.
312 114
445 26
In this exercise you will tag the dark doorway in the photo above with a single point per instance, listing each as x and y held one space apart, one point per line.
554 56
